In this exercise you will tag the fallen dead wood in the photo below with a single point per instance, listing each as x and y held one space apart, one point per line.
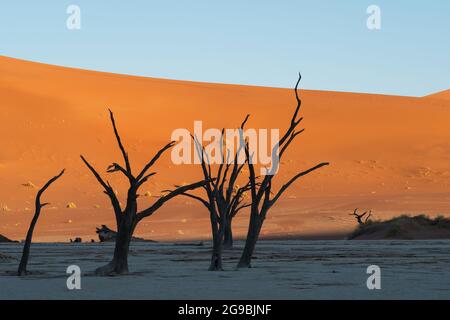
105 234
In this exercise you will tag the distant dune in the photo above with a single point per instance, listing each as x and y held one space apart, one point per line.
390 154
441 95
5 239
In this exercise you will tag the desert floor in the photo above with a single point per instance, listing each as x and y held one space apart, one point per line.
284 269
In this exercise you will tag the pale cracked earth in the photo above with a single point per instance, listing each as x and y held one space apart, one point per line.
282 269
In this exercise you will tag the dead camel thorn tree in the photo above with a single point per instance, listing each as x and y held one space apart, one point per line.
224 197
262 195
38 207
127 218
236 205
359 217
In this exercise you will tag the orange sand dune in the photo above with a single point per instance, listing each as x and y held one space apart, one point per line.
390 154
441 95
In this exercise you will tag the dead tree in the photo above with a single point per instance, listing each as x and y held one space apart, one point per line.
359 217
236 205
224 197
106 234
38 207
262 195
127 218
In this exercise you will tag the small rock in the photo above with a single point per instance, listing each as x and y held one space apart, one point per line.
29 184
71 205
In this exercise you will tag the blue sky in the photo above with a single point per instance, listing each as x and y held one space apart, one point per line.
245 42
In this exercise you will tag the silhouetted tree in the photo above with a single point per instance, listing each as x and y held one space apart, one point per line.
127 218
224 196
262 195
359 217
38 207
236 205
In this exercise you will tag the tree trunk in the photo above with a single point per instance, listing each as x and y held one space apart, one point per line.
38 207
26 248
252 237
119 263
216 257
228 235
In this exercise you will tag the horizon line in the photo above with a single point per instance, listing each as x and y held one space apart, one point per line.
209 82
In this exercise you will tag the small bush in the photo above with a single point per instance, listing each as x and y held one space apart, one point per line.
399 227
394 230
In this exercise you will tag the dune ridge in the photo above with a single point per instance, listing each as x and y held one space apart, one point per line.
441 95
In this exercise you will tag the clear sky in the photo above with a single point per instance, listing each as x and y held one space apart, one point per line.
245 42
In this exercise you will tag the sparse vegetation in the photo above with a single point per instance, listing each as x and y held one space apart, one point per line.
404 227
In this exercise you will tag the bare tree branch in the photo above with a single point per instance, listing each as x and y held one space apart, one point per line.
359 217
144 179
108 190
94 172
47 185
115 167
119 141
198 198
154 159
161 201
301 174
